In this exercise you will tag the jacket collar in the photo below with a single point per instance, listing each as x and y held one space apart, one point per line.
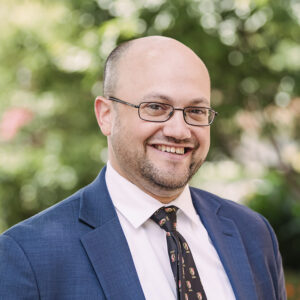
108 251
106 245
96 207
228 243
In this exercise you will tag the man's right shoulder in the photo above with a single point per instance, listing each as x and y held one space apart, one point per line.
60 215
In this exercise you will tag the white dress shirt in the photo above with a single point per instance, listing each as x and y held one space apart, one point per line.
148 246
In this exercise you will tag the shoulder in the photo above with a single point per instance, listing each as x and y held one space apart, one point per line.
210 201
59 222
50 222
250 224
49 238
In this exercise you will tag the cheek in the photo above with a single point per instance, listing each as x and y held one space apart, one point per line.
132 132
203 138
141 131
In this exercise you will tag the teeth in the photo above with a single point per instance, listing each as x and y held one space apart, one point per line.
170 149
179 150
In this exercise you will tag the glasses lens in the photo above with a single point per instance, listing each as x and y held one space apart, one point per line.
154 111
195 115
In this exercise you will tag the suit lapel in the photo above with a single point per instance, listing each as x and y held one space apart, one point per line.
106 245
228 243
108 251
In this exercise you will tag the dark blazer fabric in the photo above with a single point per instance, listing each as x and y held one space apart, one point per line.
77 250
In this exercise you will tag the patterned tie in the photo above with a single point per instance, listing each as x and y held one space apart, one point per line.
186 276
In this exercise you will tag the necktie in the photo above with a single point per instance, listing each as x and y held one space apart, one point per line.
186 276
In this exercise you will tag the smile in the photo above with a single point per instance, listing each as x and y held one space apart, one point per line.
171 149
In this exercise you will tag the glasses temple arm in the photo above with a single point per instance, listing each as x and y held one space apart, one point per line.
123 102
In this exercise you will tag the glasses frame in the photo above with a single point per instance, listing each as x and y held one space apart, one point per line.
170 114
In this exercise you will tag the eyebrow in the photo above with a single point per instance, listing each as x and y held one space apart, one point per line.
155 96
200 100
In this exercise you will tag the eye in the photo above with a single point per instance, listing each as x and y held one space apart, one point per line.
155 109
156 106
197 110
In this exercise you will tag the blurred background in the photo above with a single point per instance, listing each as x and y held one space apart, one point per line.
51 63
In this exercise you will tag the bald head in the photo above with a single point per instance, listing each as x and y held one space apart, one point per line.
110 68
136 56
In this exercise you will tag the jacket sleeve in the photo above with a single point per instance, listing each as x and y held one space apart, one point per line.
17 279
280 282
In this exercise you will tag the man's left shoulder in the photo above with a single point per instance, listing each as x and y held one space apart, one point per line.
213 200
237 212
250 224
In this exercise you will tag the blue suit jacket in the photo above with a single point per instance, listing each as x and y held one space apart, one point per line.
77 250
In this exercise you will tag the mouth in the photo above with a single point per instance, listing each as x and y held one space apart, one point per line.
172 149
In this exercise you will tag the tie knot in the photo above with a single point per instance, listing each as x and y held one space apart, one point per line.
165 217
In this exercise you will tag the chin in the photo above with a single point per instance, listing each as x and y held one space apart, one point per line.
165 180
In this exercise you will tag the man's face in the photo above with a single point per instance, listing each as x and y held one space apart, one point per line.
143 152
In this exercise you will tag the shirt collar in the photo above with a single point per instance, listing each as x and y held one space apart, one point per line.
137 206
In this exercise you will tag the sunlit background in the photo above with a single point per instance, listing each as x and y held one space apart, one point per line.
51 62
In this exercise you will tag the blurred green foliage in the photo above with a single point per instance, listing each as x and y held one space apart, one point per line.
282 210
51 62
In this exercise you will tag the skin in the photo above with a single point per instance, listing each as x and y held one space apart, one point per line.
163 70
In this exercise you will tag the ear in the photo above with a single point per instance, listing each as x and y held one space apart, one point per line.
103 111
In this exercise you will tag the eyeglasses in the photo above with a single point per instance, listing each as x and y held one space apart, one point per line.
162 112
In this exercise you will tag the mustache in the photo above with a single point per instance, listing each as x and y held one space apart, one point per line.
172 140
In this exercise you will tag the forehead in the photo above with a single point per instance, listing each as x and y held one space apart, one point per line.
170 69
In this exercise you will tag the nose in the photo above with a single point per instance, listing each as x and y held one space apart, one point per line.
176 127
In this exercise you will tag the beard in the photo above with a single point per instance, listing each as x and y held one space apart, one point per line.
138 168
142 171
164 180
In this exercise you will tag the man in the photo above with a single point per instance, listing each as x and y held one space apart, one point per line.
103 242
